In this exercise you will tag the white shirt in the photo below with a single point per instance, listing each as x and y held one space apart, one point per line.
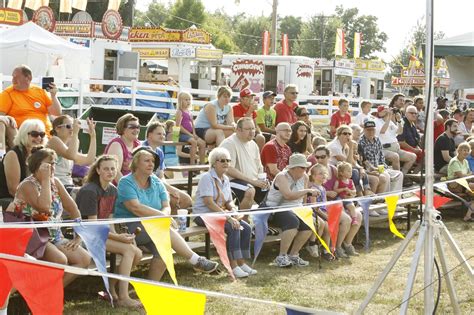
390 135
245 156
335 148
361 118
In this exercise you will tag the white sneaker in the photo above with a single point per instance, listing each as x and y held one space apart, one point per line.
239 273
382 212
374 214
248 269
313 250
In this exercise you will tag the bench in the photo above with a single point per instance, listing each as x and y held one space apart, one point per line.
182 182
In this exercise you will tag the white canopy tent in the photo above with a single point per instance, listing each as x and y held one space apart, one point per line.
44 52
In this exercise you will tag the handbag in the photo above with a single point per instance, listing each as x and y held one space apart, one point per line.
39 238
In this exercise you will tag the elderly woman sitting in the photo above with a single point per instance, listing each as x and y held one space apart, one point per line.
214 195
142 194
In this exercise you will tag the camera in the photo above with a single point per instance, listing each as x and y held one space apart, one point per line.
395 111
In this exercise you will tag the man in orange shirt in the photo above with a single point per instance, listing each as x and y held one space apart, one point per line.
22 101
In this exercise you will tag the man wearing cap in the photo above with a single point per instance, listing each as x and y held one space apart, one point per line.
388 126
441 102
370 149
285 109
247 108
266 115
341 117
276 153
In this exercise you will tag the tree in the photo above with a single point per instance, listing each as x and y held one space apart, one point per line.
219 24
292 26
248 35
155 15
185 13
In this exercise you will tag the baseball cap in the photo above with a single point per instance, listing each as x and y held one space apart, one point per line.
441 99
268 94
369 124
246 92
381 108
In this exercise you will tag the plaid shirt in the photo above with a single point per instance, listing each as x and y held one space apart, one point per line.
371 151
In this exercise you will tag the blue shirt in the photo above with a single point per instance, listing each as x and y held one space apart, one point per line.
160 153
470 160
207 188
128 189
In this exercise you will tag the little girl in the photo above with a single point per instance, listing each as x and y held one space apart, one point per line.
317 176
344 187
171 158
184 120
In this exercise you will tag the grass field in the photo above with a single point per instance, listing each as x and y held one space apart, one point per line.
337 286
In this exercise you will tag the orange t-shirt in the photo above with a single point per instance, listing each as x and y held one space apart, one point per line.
22 105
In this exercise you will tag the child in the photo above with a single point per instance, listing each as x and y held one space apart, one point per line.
344 187
171 158
317 141
184 120
317 176
365 107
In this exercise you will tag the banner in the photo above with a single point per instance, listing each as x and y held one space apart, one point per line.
285 47
265 42
306 215
161 300
340 47
260 222
365 204
391 202
15 4
114 5
79 4
334 215
159 232
438 201
357 38
65 6
33 4
463 182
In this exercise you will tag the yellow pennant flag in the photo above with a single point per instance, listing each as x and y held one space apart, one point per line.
65 6
159 231
114 5
161 300
306 215
15 4
463 182
391 202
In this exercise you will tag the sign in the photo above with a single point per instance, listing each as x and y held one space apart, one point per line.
196 36
182 52
344 63
84 42
247 73
44 17
369 65
346 72
112 24
108 134
143 34
214 54
153 53
419 82
73 29
413 72
10 16
322 62
304 71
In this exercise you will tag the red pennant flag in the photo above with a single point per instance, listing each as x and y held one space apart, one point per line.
285 47
40 286
438 201
265 42
215 226
334 215
13 242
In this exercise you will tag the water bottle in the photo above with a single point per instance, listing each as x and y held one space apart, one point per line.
182 213
263 176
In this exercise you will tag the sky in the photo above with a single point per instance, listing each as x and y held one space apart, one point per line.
396 18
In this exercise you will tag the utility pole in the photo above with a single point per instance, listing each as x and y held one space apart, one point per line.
274 31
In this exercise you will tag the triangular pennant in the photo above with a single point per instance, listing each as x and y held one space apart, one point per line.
65 6
114 5
463 182
15 4
161 300
306 215
334 215
33 4
391 207
40 286
260 222
298 311
79 4
438 201
159 232
365 204
215 226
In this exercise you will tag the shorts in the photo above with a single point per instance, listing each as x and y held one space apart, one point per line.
184 137
239 187
201 132
288 220
143 239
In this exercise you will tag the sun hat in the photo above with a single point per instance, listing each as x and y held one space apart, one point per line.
298 160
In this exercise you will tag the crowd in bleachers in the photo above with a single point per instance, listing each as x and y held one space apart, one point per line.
270 156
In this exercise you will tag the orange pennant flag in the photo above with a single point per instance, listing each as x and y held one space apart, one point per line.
334 216
391 202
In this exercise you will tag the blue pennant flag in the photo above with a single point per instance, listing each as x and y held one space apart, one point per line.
301 311
365 204
261 228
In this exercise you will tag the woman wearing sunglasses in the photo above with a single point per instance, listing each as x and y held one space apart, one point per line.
128 129
13 167
65 142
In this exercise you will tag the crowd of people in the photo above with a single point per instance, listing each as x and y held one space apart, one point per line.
271 156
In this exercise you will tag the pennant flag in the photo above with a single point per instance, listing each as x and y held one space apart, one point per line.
15 4
114 5
215 226
159 232
79 4
391 202
340 49
357 37
260 222
265 42
33 4
40 286
438 201
463 182
365 204
94 237
298 311
306 215
285 47
161 300
334 216
65 6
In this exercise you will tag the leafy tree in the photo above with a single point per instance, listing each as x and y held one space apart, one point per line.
248 34
185 13
155 15
219 24
292 26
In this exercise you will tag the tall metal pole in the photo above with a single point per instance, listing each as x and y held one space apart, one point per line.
429 165
274 30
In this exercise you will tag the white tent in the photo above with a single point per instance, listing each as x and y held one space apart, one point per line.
44 52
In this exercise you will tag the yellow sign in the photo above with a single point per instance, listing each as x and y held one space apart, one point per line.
10 16
153 53
369 65
73 29
143 34
214 54
196 36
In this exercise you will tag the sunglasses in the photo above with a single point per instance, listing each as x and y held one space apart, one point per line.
36 134
294 93
346 134
225 160
133 127
67 126
320 157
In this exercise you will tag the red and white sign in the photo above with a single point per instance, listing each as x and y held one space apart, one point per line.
265 42
112 24
247 73
285 47
44 17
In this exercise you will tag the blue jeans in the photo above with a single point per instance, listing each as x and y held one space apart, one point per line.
357 179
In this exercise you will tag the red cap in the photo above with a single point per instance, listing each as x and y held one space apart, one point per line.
381 108
246 92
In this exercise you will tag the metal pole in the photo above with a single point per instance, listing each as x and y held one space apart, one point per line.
274 26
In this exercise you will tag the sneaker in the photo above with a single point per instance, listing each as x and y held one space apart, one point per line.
313 250
327 256
282 261
350 250
374 214
239 273
298 261
383 211
205 265
248 269
340 253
